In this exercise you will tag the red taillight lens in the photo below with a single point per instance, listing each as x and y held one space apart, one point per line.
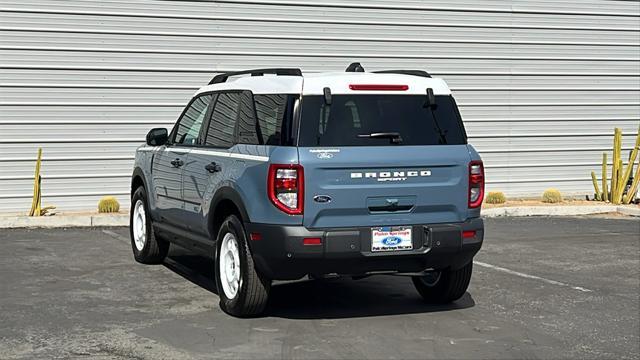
476 184
468 234
285 186
312 241
376 87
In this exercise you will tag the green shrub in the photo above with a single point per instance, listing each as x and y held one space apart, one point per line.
108 204
495 197
551 196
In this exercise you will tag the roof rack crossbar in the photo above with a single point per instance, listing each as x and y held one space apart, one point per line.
220 78
420 73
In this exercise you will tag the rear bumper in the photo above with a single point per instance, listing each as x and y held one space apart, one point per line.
281 255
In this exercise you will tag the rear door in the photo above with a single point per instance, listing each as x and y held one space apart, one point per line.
382 160
168 164
210 164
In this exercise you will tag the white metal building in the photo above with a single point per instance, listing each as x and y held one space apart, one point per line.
541 83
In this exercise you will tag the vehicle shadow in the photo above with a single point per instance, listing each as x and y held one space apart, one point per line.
325 299
346 298
196 268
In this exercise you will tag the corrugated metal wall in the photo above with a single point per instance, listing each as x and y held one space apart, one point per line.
541 84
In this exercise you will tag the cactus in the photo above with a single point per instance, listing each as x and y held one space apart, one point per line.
36 203
634 186
495 197
551 196
627 173
621 185
108 204
598 195
605 190
614 166
619 174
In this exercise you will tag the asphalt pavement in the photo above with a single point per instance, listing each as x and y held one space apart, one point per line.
542 288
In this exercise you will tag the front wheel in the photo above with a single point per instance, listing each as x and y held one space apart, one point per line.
147 247
242 291
443 287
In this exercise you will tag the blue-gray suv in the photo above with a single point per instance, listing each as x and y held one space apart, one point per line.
280 176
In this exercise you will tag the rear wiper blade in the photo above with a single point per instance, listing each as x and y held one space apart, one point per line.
393 136
431 104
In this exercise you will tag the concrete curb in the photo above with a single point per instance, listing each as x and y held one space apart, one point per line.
629 210
561 210
62 221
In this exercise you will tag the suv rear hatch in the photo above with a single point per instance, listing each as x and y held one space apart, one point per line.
382 160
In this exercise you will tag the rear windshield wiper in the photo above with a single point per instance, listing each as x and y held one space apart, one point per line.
431 104
393 136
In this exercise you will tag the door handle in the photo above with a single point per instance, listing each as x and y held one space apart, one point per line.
177 163
213 167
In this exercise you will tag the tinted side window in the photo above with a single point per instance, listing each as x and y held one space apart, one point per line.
191 121
272 112
223 120
247 129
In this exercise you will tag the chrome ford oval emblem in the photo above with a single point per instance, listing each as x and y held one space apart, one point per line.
391 240
325 155
322 198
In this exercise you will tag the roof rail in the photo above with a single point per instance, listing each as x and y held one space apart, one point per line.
420 73
220 78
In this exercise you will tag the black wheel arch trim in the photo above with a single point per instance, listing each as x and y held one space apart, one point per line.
228 193
138 173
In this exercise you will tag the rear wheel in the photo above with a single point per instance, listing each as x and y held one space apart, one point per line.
147 248
442 287
242 291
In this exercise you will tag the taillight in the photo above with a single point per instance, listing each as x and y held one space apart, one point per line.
285 186
476 184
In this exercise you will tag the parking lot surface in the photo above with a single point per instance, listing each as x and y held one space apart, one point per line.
542 288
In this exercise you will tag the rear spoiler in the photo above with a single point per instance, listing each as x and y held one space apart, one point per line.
357 67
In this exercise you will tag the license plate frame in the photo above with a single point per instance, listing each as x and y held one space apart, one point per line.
391 239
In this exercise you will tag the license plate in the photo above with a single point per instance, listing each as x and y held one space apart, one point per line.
396 238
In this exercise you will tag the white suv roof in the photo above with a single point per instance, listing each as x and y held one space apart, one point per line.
338 82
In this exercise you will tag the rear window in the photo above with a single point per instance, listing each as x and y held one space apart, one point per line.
350 119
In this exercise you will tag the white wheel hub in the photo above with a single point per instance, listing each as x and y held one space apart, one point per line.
229 266
139 225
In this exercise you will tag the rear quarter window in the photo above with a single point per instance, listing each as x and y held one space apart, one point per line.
274 113
350 118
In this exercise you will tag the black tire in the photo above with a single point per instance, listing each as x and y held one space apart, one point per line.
154 249
448 287
251 295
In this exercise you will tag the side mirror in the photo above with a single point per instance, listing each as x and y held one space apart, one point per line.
157 137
